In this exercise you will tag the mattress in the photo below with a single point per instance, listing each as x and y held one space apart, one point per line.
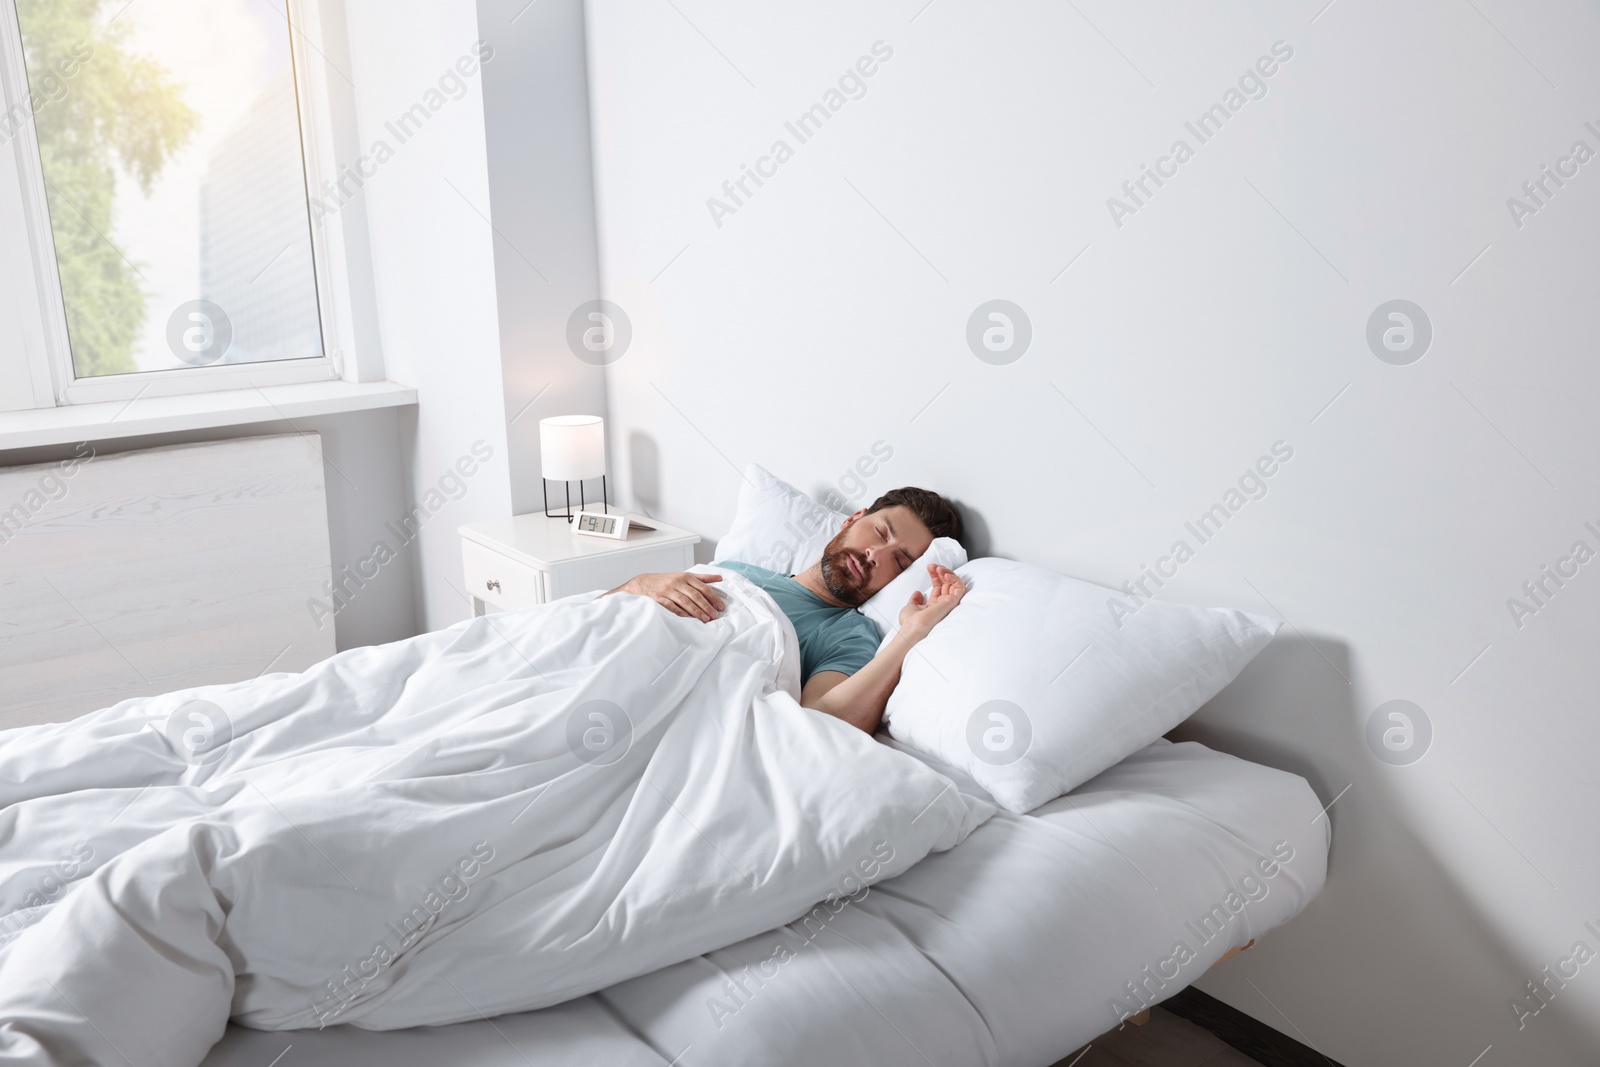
1024 942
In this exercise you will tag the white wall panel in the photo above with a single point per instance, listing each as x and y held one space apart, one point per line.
149 571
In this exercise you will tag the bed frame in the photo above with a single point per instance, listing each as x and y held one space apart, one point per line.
1142 1017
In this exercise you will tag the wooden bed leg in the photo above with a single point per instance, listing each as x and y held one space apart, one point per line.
1139 1018
1232 952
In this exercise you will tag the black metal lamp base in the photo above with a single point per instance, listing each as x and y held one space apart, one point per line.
545 487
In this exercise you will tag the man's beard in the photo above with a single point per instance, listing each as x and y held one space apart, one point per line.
837 577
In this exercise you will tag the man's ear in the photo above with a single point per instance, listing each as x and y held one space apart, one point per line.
849 520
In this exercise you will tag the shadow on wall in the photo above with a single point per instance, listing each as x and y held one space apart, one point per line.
644 464
1300 685
1293 699
644 469
974 531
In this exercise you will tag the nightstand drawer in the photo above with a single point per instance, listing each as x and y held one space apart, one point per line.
498 581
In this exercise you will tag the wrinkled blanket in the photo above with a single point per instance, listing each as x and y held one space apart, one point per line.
501 815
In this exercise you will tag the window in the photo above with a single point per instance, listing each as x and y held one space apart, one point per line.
172 233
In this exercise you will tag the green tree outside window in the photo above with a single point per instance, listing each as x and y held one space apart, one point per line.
99 110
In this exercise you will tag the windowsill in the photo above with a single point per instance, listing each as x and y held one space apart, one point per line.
195 411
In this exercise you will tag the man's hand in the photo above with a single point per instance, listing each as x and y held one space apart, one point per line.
860 698
679 592
920 614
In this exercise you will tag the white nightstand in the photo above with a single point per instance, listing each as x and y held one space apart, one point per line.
529 559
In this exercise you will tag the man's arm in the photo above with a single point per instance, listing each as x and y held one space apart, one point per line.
679 592
859 698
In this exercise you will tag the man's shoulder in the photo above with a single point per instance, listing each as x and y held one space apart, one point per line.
851 623
846 641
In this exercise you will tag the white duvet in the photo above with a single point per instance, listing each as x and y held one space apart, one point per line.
502 815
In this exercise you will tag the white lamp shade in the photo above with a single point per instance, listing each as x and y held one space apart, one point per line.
572 447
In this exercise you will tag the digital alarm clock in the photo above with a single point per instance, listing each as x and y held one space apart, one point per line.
597 524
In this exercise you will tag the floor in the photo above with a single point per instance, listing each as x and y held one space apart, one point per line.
1164 1041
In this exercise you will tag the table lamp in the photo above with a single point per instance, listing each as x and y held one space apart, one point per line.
572 448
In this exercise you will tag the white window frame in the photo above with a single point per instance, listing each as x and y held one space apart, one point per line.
325 97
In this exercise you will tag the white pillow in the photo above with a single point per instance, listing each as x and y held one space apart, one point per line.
777 526
884 606
1038 682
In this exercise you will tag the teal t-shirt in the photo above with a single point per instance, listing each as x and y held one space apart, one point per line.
831 639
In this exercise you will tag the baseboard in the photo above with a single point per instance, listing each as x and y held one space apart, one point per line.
1255 1039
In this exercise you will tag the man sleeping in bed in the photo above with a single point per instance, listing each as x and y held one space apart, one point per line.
845 672
507 809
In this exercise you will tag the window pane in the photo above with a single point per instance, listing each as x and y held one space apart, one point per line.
170 140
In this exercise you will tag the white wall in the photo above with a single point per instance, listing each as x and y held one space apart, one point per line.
434 265
483 242
546 259
1228 313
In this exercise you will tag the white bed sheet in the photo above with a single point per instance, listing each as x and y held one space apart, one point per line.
1009 950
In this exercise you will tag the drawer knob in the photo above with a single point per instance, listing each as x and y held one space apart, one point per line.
492 583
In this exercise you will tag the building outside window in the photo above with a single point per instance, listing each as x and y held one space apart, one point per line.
172 161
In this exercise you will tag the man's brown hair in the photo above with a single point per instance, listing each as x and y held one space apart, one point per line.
936 513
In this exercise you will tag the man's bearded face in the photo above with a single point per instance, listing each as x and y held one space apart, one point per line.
846 572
